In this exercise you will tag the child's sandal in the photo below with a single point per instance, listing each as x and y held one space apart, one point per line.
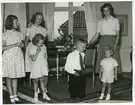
17 99
12 100
45 96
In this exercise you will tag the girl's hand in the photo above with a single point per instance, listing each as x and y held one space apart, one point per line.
18 44
38 49
21 44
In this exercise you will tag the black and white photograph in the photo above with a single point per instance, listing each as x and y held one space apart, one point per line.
67 52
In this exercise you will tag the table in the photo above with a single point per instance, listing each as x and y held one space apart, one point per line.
57 54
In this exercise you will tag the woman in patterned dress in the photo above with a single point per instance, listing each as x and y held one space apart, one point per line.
13 61
37 27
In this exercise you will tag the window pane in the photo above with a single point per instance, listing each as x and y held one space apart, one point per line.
79 25
61 4
77 3
60 20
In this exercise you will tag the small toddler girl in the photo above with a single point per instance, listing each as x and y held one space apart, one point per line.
38 55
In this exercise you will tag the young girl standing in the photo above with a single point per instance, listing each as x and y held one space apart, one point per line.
38 55
108 72
12 58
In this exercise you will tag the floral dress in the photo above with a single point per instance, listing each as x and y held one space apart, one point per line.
12 59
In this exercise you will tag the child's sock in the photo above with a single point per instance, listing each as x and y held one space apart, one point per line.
101 96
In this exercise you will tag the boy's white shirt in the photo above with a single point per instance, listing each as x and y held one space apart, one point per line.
73 62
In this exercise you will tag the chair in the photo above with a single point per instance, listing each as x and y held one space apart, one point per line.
90 61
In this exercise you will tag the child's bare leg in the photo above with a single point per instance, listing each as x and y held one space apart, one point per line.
109 87
9 86
14 83
45 96
35 81
46 81
103 90
42 84
35 85
104 87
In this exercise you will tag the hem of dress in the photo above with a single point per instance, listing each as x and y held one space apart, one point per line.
38 77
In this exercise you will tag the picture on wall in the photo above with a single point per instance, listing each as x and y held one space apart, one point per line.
123 20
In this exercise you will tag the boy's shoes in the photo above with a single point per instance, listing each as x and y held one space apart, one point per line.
102 96
45 96
108 97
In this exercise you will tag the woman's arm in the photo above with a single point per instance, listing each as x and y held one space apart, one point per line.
94 38
115 72
7 47
117 40
34 57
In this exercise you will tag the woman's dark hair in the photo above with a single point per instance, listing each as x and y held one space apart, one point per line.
33 19
9 22
107 5
35 39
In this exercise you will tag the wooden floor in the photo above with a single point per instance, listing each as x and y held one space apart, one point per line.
122 92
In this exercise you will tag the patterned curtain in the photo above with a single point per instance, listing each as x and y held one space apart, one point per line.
48 12
90 10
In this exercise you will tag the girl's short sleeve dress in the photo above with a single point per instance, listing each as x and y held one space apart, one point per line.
12 59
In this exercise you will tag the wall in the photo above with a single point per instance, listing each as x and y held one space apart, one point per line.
122 8
32 8
17 9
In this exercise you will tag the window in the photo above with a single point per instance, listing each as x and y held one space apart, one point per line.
59 19
64 17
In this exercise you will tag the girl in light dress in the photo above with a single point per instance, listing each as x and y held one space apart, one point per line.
12 58
38 55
